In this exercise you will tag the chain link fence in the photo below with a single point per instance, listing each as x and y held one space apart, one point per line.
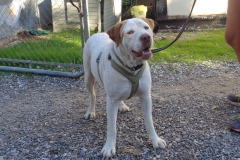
46 36
40 36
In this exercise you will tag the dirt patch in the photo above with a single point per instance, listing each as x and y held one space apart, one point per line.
21 37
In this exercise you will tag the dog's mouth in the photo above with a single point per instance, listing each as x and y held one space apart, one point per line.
144 54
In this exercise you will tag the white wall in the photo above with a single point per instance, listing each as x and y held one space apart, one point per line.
202 7
93 13
112 13
58 12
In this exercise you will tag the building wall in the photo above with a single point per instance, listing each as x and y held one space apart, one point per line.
58 13
112 13
202 7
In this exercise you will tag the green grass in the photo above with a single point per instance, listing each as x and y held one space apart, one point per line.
196 47
65 47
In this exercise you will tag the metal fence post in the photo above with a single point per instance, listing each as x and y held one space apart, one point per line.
86 19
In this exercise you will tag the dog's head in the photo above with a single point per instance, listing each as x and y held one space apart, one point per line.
135 36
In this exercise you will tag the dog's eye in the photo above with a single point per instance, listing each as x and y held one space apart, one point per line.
146 27
130 32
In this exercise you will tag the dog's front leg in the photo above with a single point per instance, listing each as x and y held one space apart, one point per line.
146 104
112 109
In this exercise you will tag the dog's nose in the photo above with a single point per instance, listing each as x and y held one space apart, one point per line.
145 38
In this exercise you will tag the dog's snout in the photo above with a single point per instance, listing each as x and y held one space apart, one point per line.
145 38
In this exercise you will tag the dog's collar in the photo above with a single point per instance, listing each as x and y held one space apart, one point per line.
130 68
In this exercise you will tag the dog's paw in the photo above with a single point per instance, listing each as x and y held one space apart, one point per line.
159 143
89 115
108 150
123 108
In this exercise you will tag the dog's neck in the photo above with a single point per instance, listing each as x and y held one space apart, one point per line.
127 58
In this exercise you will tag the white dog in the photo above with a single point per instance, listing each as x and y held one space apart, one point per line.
114 59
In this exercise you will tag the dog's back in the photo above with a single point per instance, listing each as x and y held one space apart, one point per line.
95 45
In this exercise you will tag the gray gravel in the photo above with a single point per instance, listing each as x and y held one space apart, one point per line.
41 117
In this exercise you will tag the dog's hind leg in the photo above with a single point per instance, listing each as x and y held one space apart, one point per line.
89 82
123 108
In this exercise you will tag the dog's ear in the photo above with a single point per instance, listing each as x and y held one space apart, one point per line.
115 32
150 22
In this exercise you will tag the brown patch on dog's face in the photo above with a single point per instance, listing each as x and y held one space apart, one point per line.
150 22
115 32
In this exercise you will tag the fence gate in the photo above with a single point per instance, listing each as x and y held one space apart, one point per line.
38 37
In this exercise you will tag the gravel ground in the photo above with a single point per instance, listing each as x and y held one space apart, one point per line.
41 117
